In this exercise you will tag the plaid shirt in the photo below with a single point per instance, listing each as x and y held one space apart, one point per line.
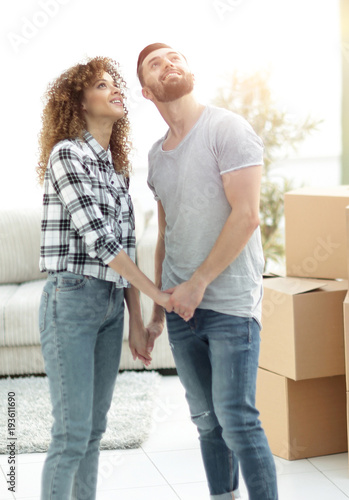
87 212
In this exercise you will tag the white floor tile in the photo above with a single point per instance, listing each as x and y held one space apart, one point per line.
170 403
308 486
171 386
29 479
167 409
200 491
129 451
3 460
151 493
127 471
178 435
5 494
331 462
27 458
192 491
293 466
340 478
182 466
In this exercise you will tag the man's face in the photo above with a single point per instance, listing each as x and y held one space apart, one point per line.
166 74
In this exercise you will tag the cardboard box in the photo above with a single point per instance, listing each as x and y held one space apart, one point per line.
346 337
347 235
303 333
315 231
302 419
348 417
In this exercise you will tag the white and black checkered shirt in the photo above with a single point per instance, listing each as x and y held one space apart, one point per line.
87 215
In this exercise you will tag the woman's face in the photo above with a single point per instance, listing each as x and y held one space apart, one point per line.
103 100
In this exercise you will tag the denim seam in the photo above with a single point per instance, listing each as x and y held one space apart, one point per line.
45 298
253 442
59 368
111 304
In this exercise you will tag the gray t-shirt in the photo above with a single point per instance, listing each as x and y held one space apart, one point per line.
187 180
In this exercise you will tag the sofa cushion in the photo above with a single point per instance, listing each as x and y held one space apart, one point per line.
20 314
20 245
6 292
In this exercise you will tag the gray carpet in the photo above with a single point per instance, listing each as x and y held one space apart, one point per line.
129 418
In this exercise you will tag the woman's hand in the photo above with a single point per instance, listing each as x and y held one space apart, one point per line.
138 342
163 299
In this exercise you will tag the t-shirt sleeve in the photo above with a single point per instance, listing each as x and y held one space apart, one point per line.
156 197
236 144
149 180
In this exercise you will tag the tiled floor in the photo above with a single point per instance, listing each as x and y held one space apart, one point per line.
168 465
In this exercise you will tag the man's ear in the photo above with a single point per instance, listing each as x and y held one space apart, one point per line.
147 93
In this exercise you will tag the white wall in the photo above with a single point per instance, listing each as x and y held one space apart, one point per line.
298 40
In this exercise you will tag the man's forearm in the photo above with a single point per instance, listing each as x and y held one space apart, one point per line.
158 311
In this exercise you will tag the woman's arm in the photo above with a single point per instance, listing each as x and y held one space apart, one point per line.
124 266
138 335
157 321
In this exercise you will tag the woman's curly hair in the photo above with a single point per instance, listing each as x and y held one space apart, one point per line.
62 117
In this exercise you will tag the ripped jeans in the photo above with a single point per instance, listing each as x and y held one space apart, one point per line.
216 356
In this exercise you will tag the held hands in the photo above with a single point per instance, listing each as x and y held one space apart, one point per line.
138 342
184 298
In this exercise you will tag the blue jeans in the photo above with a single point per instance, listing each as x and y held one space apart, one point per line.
81 324
216 357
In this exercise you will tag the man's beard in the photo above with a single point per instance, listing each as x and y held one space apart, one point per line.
173 90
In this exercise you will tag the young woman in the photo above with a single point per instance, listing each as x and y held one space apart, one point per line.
88 250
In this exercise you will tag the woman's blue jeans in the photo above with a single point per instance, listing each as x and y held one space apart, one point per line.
216 357
81 324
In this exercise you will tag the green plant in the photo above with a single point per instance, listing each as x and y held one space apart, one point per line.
251 97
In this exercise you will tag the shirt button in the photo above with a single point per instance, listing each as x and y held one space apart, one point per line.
120 221
112 182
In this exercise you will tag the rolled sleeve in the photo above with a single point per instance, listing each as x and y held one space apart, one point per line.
236 145
72 182
106 248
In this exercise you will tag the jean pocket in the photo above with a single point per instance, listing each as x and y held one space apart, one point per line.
43 311
67 281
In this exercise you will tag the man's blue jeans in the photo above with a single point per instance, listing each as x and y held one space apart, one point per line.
216 357
81 325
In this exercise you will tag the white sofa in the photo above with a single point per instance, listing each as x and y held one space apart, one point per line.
21 285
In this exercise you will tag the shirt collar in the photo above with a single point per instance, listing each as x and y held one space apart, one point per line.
97 148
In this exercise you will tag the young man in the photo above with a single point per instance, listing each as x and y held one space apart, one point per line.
205 174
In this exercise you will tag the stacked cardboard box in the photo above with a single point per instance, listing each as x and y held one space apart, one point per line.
346 343
301 391
346 327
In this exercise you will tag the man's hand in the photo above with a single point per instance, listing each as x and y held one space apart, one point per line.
154 330
138 342
186 297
